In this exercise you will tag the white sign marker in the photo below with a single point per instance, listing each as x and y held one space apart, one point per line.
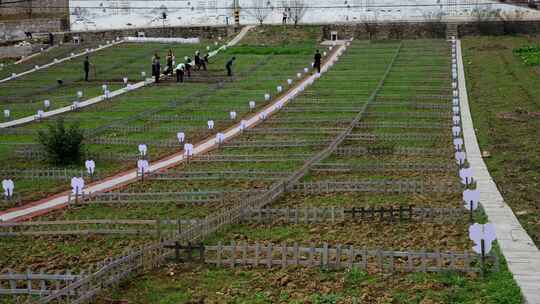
8 186
252 105
483 237
210 124
143 149
181 137
232 115
471 198
7 113
90 166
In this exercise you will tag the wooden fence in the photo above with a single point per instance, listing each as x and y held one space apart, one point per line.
219 175
157 229
385 167
337 257
377 186
317 215
405 151
45 173
189 197
34 284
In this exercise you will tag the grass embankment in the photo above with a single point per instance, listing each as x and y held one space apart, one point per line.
505 102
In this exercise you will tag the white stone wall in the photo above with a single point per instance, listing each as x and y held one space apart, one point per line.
120 14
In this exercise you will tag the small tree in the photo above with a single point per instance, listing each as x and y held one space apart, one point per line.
297 9
260 10
64 146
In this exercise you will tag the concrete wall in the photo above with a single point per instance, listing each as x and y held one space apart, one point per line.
387 30
14 29
202 32
25 9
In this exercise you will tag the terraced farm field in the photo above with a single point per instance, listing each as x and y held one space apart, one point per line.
348 194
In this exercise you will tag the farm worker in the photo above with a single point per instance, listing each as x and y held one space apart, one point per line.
198 60
188 66
285 17
206 61
51 39
86 65
170 58
228 66
317 61
156 67
180 68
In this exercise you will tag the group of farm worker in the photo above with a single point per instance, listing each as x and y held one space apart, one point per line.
185 68
181 69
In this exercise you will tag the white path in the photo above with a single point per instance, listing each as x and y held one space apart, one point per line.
522 255
202 147
113 94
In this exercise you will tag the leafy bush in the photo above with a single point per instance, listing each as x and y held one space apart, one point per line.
529 54
64 146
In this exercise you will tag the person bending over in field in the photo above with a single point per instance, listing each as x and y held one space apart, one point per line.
180 68
317 61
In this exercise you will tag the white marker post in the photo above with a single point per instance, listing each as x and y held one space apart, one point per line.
90 167
188 151
483 237
458 144
210 125
220 138
289 81
181 137
232 115
267 97
143 149
47 104
142 166
8 186
471 199
279 89
460 158
77 185
252 105
466 175
243 125
7 114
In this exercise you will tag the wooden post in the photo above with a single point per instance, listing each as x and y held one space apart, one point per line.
269 255
284 255
219 252
257 253
233 254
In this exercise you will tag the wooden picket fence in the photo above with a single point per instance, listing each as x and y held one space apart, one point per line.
257 158
334 257
377 186
219 175
333 215
385 167
43 173
156 229
34 284
405 151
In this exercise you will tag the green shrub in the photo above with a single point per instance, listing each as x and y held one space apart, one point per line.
64 146
529 54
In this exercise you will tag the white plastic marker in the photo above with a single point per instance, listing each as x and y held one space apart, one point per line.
129 87
455 110
298 75
143 149
107 94
90 166
471 199
232 115
263 116
306 70
79 94
77 185
8 186
181 137
75 105
125 80
483 237
39 114
46 103
252 105
208 48
243 125
456 131
142 166
279 89
104 87
143 74
460 157
456 119
13 75
188 150
220 138
466 175
267 97
36 67
324 54
210 124
458 144
455 102
289 81
7 113
330 48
